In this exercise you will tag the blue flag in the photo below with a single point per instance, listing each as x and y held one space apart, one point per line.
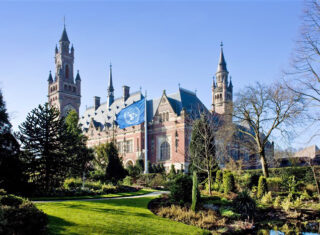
131 115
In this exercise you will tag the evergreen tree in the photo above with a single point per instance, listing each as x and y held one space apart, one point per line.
46 145
12 178
81 154
115 170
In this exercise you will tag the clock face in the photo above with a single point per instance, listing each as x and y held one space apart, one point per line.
67 109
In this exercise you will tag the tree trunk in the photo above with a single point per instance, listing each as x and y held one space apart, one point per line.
264 164
209 182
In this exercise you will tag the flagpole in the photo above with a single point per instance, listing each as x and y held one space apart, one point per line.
146 170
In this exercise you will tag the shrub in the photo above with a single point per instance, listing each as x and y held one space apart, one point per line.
180 189
195 191
10 200
227 212
277 202
157 181
287 203
172 174
19 216
128 180
267 198
262 187
228 182
244 204
244 181
253 181
274 184
218 179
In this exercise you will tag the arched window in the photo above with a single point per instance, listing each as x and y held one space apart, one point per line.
165 151
67 71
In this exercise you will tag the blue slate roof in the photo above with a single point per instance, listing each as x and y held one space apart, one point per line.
104 116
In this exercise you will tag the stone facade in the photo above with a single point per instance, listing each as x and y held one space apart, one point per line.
64 92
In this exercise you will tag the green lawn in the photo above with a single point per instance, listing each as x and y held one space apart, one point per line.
140 192
118 216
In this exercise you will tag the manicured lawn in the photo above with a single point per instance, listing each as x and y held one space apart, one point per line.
117 216
140 192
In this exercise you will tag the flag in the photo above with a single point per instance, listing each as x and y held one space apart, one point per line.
131 115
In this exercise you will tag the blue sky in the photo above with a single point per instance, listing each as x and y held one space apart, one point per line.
152 44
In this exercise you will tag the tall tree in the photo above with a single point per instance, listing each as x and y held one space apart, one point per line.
203 146
11 168
262 110
46 145
81 155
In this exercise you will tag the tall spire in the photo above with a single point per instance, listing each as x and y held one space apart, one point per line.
64 36
222 66
110 88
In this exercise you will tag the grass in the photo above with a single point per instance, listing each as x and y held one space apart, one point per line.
140 192
118 216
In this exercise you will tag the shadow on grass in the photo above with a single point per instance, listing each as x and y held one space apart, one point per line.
58 225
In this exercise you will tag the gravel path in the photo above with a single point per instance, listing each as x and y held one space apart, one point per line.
153 194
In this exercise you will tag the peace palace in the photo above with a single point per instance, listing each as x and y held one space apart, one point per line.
168 126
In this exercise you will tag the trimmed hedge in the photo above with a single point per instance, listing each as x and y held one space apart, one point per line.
181 189
228 182
20 216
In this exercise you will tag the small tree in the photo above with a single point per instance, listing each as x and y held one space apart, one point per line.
195 191
114 170
203 146
262 187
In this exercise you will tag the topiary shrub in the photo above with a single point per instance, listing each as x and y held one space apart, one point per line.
158 181
218 182
10 200
180 189
262 187
228 182
195 191
244 205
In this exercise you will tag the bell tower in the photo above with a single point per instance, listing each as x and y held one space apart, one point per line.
222 89
64 92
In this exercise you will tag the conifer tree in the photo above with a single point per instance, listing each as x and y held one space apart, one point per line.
46 145
81 154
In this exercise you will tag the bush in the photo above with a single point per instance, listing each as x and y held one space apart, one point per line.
274 184
172 174
244 204
218 182
287 203
72 183
228 182
158 181
19 216
267 198
262 187
128 180
180 189
277 201
10 200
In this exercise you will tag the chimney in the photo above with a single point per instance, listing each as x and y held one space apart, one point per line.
96 102
126 92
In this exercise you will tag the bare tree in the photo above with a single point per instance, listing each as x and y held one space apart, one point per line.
303 77
203 145
262 110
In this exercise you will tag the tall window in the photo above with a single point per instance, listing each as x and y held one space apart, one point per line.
165 151
67 71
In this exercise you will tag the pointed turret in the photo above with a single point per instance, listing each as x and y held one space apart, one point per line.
64 36
50 79
222 66
230 84
110 88
78 76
